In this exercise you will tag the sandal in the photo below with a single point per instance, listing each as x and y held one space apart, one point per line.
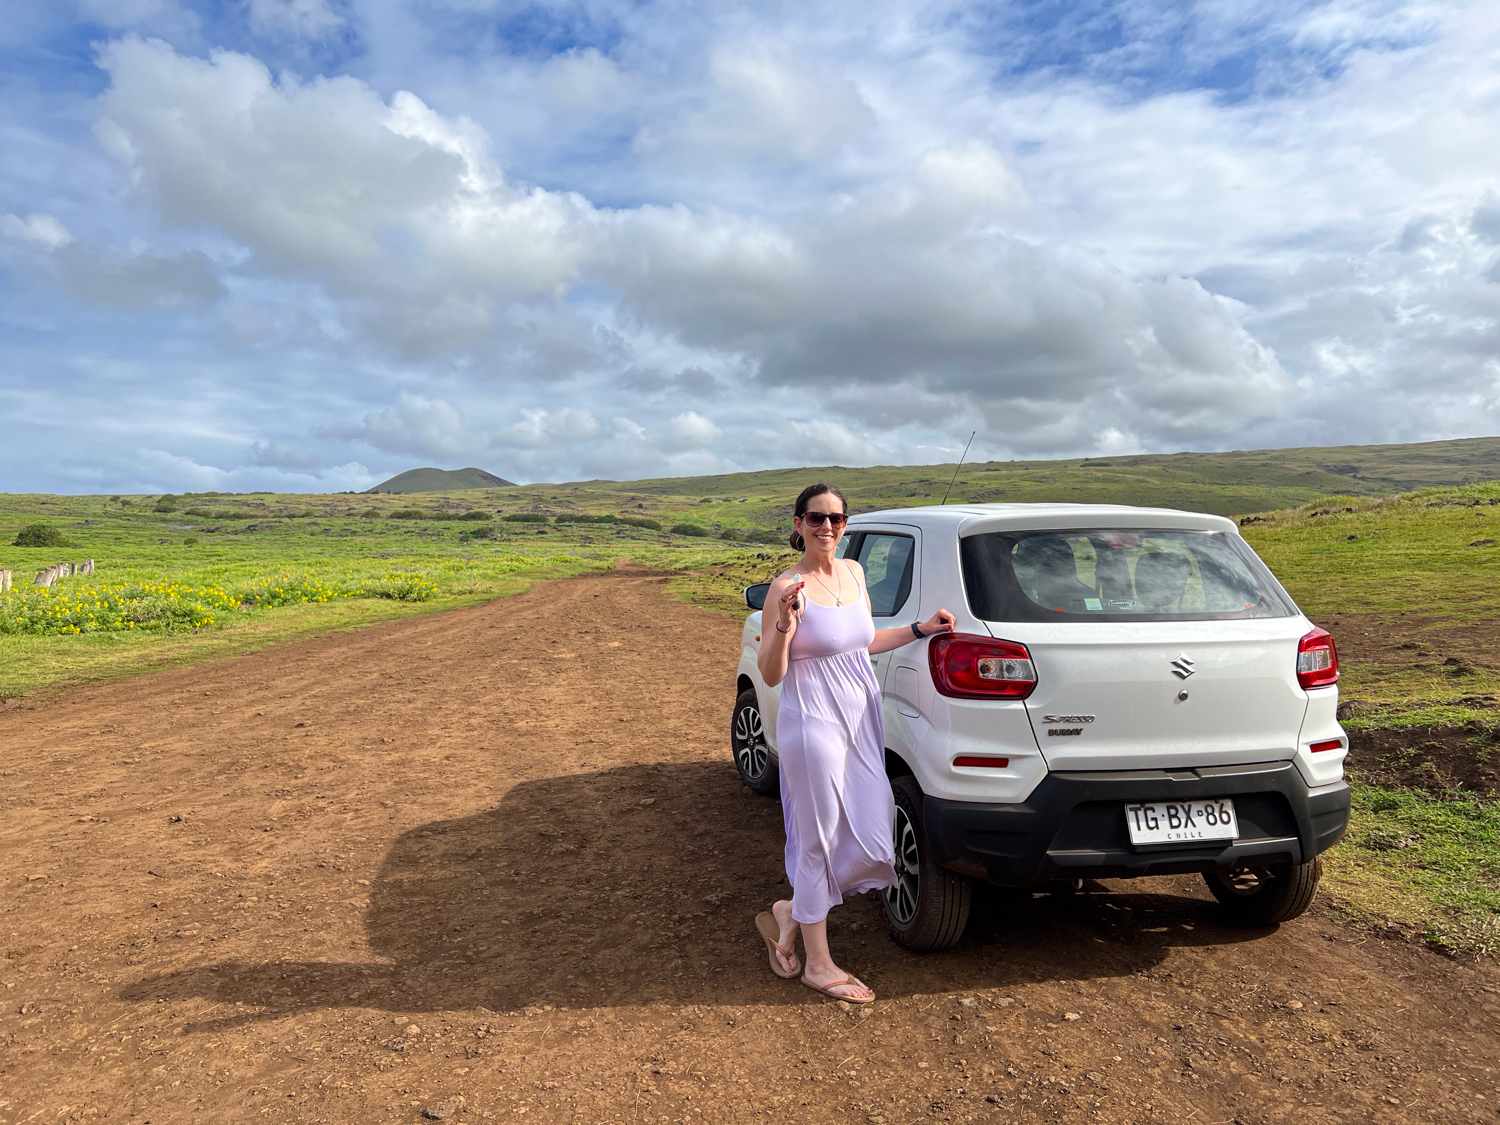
824 989
770 930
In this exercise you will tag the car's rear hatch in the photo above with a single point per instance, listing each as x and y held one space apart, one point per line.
1163 695
1166 647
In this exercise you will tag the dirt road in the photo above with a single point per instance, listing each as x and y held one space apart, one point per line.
500 854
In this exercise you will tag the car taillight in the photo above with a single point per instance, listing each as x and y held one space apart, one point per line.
981 761
970 667
1317 660
1326 744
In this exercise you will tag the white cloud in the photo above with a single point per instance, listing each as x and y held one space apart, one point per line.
310 19
584 80
141 281
823 441
543 429
889 225
283 455
155 16
43 230
414 427
692 429
402 215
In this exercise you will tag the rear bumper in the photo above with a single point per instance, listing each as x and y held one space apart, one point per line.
1072 826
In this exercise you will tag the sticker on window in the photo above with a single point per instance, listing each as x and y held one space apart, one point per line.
1093 603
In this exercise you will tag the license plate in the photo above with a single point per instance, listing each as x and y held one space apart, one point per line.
1181 822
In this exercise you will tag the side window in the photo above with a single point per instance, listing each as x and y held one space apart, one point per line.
887 560
850 542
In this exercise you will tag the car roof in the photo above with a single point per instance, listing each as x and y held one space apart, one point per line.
973 519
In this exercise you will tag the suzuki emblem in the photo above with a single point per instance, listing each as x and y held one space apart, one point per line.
1182 667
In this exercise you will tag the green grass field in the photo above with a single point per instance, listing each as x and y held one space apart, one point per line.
1401 544
249 571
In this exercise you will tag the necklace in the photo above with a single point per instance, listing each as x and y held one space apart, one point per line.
838 596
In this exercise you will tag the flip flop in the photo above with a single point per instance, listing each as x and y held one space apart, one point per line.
823 988
770 930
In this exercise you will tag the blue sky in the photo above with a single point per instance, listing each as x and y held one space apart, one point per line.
305 244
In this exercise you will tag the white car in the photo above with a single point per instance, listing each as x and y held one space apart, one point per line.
1128 691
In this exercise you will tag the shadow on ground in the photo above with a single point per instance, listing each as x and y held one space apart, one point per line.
638 885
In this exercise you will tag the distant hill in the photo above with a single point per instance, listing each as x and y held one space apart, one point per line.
1230 483
441 480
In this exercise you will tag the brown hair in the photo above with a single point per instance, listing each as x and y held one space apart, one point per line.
796 540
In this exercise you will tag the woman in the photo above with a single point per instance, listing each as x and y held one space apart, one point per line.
835 798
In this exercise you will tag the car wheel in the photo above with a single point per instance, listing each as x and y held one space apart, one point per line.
752 753
928 907
1264 896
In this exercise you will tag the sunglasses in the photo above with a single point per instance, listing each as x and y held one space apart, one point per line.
815 519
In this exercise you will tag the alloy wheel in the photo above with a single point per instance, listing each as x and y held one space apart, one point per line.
901 900
750 751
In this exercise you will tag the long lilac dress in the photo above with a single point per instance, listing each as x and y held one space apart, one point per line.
830 740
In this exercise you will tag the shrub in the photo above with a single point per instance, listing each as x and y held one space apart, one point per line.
525 517
370 514
287 589
476 515
753 535
410 514
689 529
191 541
581 518
402 587
641 521
41 535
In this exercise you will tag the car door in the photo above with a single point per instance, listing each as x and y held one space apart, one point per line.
889 556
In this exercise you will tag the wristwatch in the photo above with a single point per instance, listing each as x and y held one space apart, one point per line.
916 631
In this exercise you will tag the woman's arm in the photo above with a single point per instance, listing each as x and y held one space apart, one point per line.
778 621
888 639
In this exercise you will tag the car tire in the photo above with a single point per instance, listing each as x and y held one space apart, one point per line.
928 907
1282 892
752 753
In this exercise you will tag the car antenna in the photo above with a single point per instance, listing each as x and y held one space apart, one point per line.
959 465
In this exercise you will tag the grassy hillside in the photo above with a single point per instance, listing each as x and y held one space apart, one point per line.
1410 585
1229 484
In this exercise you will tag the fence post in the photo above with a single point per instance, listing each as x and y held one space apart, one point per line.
45 577
87 567
4 580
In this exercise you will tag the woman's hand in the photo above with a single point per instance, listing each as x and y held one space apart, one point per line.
784 613
940 622
791 603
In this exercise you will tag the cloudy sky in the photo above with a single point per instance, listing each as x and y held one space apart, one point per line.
304 244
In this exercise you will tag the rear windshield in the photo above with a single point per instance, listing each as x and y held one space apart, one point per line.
1125 575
